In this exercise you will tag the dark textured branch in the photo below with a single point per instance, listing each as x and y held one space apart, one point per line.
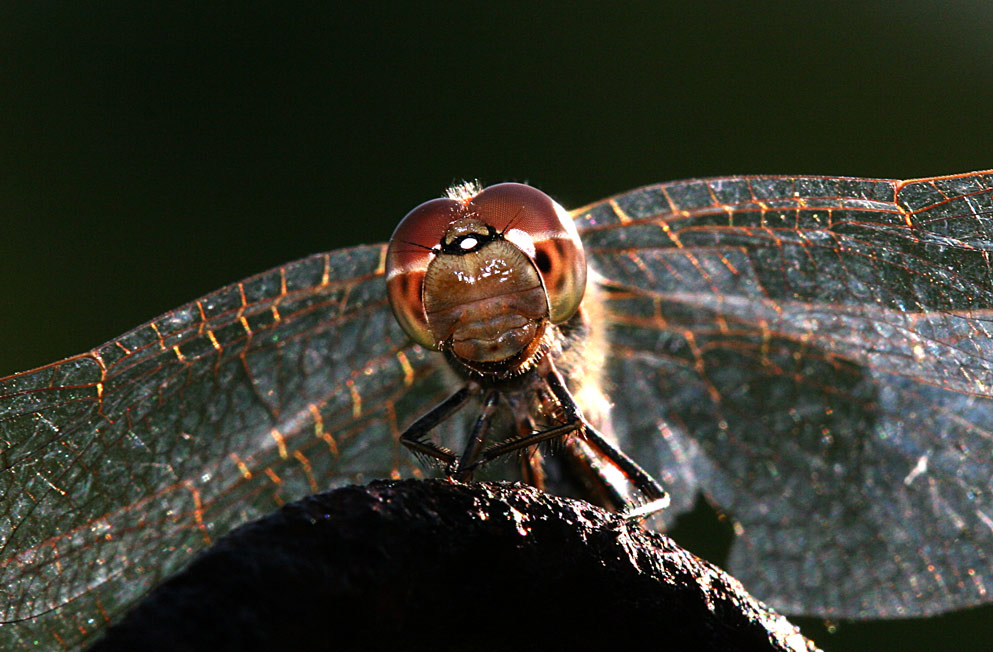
445 566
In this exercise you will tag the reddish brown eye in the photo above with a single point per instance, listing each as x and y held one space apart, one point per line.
412 248
544 231
448 254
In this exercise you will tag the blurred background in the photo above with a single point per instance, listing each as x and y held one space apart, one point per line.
151 154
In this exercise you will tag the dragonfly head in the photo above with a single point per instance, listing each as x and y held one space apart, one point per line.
482 275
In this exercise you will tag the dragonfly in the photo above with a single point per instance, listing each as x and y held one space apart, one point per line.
811 354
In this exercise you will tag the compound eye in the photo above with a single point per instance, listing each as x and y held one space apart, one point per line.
413 246
545 232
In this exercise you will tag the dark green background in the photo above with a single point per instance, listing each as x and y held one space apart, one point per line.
149 155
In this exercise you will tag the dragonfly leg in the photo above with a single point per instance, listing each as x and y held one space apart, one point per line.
593 474
658 498
532 464
532 471
416 436
516 444
646 484
473 448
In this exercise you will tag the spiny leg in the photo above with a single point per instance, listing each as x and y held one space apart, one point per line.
576 423
532 469
533 462
473 448
594 474
416 436
516 444
646 484
658 498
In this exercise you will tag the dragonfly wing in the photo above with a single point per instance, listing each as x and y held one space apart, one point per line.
120 463
816 354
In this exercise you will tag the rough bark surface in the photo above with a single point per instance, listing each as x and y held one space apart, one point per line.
437 565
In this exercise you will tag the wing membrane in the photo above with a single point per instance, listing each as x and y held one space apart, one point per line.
812 353
119 463
815 355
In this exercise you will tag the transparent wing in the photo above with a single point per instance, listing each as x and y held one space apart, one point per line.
118 464
814 354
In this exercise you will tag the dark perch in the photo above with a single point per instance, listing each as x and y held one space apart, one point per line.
443 566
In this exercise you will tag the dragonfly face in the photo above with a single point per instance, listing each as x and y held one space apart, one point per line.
480 275
811 353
